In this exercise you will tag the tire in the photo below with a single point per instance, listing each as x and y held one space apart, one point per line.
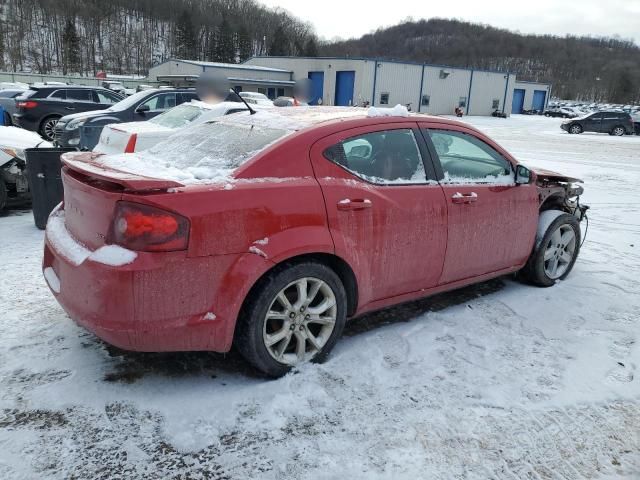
294 326
575 129
547 115
618 131
47 126
3 195
552 245
7 120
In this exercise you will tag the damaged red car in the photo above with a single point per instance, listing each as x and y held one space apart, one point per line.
269 231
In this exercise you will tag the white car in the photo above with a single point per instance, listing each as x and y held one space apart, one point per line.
256 98
137 136
13 179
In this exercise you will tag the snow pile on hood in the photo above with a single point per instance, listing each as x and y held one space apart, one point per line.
397 111
20 138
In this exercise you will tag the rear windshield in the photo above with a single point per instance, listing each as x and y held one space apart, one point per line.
178 117
215 145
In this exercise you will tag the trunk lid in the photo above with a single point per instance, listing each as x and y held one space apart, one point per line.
91 192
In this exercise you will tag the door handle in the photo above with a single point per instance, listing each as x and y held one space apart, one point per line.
464 198
69 108
349 204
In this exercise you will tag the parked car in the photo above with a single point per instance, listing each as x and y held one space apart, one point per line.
39 108
14 187
8 103
288 102
136 136
117 87
256 98
613 123
563 112
260 230
139 107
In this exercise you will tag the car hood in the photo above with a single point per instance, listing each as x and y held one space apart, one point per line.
551 176
140 127
90 114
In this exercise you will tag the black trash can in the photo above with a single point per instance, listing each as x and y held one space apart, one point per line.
45 181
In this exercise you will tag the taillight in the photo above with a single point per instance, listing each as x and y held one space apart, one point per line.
27 104
131 144
149 229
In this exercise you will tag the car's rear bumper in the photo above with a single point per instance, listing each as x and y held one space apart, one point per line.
20 120
157 302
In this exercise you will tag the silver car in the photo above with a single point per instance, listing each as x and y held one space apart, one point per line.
8 103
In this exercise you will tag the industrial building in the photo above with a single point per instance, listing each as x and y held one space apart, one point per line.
434 89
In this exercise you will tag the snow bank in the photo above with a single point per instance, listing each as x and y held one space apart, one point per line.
76 253
397 111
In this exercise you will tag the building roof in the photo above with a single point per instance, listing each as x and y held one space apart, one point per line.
241 66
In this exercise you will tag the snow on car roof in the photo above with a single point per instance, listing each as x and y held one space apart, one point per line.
296 118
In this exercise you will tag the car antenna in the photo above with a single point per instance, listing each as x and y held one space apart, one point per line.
251 110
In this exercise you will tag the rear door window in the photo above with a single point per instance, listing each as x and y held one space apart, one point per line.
106 97
161 102
385 157
80 95
59 94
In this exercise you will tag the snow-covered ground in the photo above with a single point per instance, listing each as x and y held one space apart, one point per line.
499 380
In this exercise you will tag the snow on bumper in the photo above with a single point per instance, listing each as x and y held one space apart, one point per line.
142 302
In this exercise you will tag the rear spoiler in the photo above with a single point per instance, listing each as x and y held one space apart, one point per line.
86 164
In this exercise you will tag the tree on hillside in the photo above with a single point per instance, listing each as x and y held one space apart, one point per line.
245 44
185 37
279 45
225 43
311 48
71 61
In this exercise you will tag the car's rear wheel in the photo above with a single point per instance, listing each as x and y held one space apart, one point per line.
555 254
618 131
294 315
7 119
47 128
575 129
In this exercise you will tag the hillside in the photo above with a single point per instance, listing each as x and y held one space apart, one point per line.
129 36
585 68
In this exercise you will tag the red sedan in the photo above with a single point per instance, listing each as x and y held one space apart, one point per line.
268 231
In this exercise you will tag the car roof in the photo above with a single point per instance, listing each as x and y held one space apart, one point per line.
301 118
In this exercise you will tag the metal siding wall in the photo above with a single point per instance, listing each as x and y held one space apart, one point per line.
400 81
487 87
528 92
363 84
445 92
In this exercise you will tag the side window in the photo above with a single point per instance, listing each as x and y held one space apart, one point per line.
425 100
386 158
104 97
384 99
467 159
462 103
161 102
188 96
80 95
60 94
495 104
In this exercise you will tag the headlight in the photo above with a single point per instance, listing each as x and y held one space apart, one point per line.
75 124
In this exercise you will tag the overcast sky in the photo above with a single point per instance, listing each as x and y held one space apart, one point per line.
348 18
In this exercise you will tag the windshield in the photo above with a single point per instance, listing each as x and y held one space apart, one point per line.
130 101
179 116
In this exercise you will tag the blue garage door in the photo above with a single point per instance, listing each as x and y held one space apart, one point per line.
344 87
317 87
518 101
539 97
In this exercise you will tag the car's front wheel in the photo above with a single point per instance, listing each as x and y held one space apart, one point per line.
556 250
618 131
294 315
575 129
47 128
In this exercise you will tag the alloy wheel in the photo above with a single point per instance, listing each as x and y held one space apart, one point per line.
559 252
49 128
575 129
618 131
300 321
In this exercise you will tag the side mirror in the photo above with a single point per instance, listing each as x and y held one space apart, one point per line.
523 175
143 108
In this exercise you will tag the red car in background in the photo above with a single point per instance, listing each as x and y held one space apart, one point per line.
270 230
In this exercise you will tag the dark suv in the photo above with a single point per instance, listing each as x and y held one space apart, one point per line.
39 108
613 123
138 107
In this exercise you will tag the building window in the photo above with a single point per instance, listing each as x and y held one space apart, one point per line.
463 102
238 88
425 100
262 90
496 104
281 92
384 99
